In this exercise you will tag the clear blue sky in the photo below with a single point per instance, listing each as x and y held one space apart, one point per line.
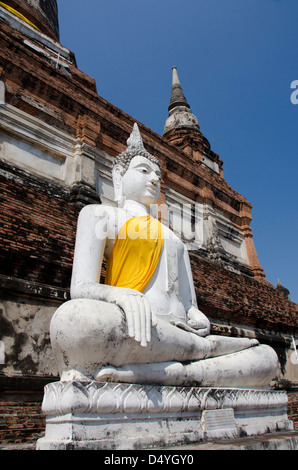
236 61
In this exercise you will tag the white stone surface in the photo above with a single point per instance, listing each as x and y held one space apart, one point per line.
31 144
90 339
92 415
159 336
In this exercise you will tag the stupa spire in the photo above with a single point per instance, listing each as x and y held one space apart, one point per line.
180 114
177 96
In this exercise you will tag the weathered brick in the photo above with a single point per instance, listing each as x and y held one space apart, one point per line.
21 422
38 231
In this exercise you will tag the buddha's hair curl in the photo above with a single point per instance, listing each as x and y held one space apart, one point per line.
125 157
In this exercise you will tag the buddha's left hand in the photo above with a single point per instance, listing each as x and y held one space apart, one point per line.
198 321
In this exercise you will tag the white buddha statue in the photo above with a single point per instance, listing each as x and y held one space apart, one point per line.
143 325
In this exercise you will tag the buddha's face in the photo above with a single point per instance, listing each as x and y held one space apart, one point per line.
141 181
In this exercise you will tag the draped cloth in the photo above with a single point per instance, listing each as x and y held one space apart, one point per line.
18 14
136 253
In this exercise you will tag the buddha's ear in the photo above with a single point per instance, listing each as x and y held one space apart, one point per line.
117 182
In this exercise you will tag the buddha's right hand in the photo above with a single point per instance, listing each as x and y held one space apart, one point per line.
138 314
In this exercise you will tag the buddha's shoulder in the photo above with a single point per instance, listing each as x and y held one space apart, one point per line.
99 210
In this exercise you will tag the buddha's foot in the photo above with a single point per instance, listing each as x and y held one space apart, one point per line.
252 367
107 374
74 375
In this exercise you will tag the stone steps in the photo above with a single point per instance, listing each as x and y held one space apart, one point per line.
273 441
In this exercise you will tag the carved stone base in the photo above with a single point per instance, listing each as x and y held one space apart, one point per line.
111 416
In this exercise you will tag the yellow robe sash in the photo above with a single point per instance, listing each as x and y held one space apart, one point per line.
19 15
135 254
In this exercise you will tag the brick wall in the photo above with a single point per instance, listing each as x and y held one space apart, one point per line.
226 296
37 228
21 422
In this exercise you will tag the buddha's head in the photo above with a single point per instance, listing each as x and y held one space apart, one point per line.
136 173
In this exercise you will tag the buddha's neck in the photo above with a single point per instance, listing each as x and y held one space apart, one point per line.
135 208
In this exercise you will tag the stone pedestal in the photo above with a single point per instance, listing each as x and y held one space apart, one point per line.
111 416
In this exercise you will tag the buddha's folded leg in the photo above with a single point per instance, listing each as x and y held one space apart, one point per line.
86 335
254 367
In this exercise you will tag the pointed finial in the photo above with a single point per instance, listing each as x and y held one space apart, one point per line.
175 78
135 140
283 289
177 96
135 146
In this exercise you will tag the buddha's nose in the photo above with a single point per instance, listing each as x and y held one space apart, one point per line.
154 179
